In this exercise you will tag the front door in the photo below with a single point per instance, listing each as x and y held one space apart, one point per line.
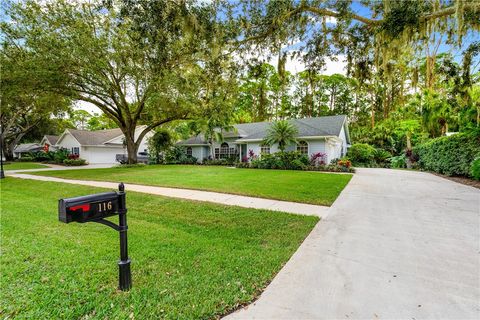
243 152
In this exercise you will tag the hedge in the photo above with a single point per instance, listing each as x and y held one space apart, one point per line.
451 155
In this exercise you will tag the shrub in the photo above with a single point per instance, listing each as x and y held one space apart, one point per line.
60 155
344 163
475 170
74 162
452 155
26 159
381 157
280 160
178 155
361 154
317 159
43 156
230 161
398 162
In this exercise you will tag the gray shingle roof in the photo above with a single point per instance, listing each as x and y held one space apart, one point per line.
95 138
198 139
27 147
307 127
53 139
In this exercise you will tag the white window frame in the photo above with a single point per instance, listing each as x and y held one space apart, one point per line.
264 149
300 145
189 151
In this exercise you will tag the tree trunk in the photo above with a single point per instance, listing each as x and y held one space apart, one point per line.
132 146
212 150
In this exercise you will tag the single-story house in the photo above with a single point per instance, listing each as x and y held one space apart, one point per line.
101 146
49 142
25 148
328 135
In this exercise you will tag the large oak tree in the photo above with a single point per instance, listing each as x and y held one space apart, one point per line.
109 54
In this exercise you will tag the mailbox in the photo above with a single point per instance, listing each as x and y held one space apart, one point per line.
88 208
96 207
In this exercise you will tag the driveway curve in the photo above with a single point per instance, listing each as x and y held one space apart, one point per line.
396 244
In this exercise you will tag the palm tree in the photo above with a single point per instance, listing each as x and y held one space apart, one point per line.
212 131
281 132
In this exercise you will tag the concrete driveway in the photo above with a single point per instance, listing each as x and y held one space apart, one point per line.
395 245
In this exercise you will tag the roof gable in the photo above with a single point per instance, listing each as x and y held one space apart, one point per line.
51 139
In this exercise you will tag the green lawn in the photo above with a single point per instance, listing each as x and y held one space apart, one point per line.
190 260
299 186
22 165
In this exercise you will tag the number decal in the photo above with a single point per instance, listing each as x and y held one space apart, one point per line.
106 206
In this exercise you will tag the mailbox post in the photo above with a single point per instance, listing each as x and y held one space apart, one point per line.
96 207
124 274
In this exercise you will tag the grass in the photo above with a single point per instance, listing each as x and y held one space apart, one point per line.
298 186
190 260
22 165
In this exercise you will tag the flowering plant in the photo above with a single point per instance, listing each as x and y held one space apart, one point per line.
251 155
344 163
317 159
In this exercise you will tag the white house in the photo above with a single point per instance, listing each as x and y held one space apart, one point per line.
328 135
101 146
49 142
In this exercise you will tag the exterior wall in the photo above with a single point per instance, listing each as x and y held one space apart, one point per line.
143 145
197 152
343 137
314 146
68 142
101 154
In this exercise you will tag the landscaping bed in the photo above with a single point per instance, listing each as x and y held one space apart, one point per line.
298 186
190 260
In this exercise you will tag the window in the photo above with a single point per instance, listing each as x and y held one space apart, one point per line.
75 150
224 150
264 149
302 147
189 151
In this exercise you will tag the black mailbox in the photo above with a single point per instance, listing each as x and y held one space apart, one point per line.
88 208
96 207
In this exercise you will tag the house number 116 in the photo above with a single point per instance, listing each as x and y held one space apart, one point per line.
104 206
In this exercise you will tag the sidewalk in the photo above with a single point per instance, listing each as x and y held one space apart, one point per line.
215 197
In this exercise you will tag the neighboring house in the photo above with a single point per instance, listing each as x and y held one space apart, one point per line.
49 142
25 148
328 135
101 146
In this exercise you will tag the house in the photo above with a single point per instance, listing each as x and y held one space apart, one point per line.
101 146
49 142
25 148
328 135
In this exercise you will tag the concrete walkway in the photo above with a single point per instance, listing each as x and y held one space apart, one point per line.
396 245
215 197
